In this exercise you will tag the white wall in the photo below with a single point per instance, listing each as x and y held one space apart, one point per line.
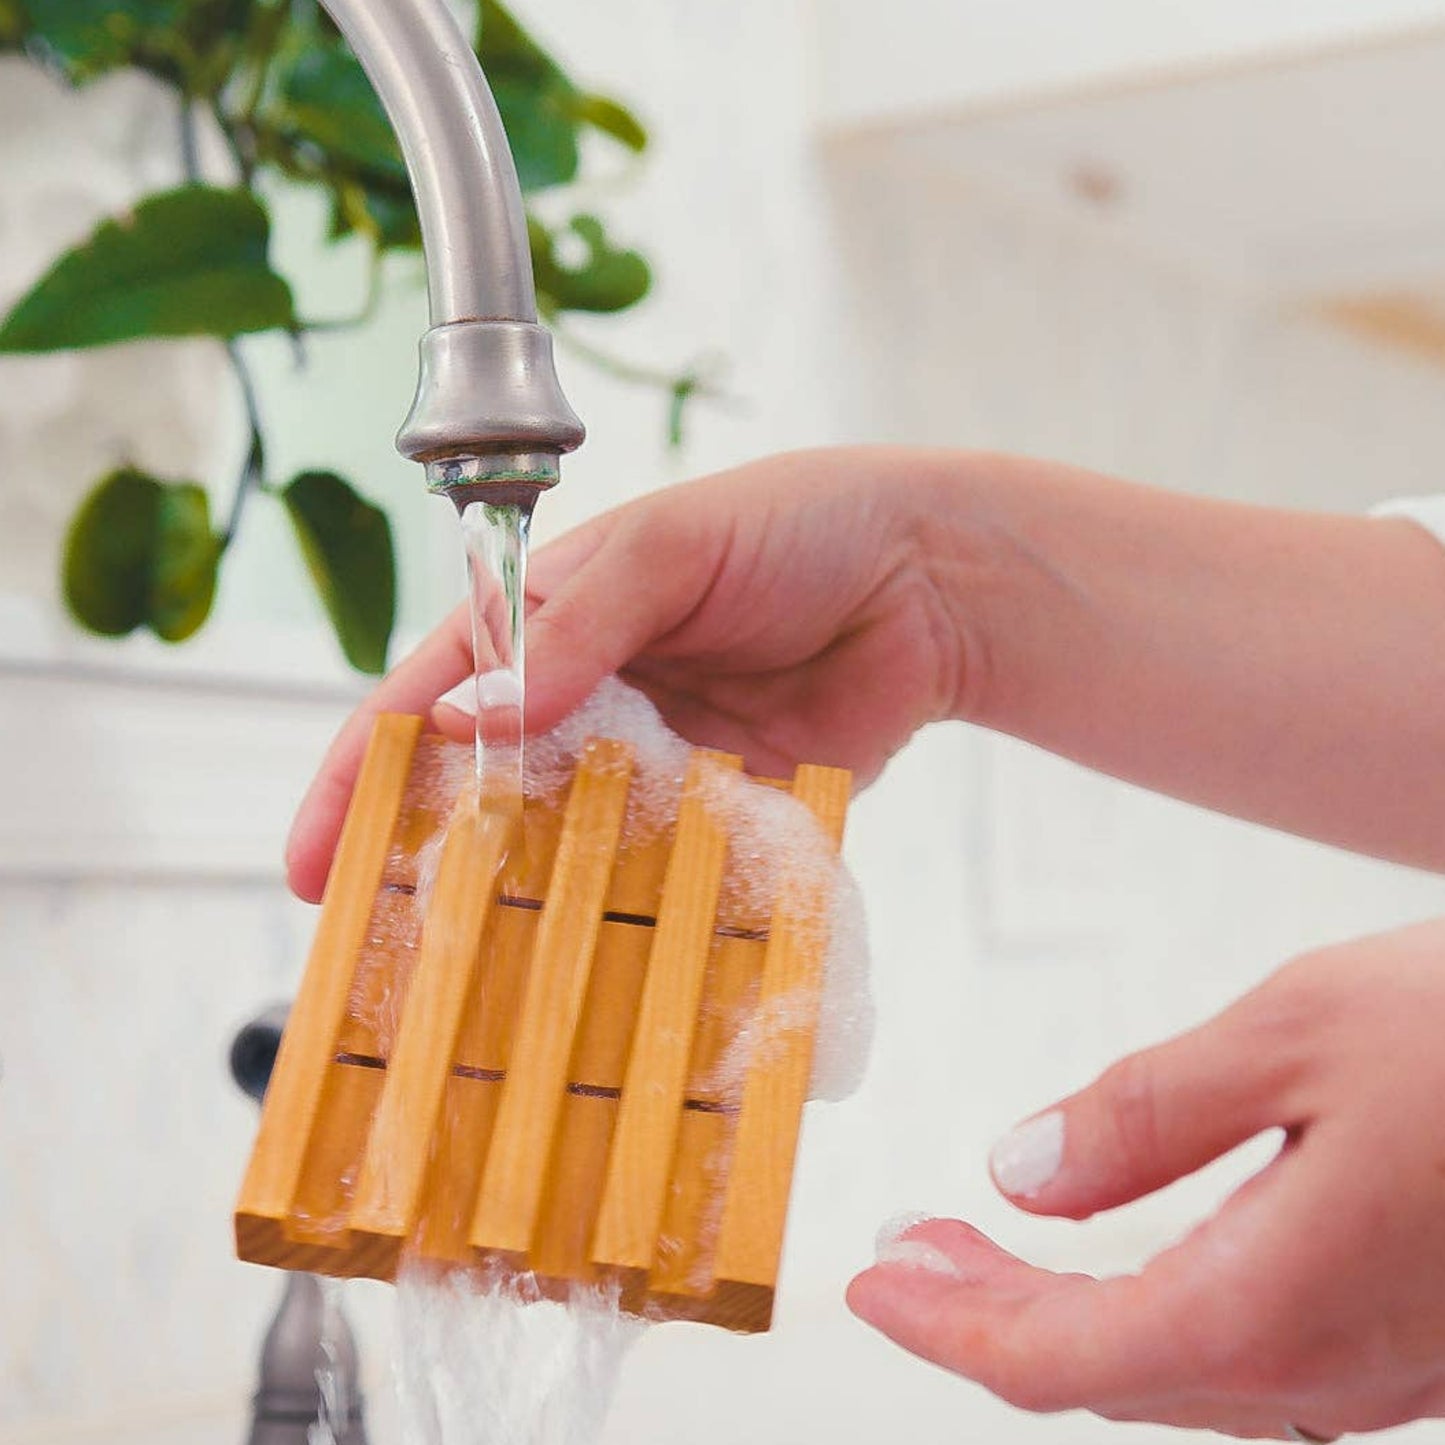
1029 924
931 57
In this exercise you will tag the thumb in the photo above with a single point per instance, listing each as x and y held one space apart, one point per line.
1154 1117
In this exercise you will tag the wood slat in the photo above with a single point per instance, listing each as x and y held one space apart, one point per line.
289 1111
729 1001
382 975
687 1241
389 1192
440 770
640 1163
546 1028
636 885
485 1042
473 1097
604 1034
751 1235
469 1115
530 864
261 1241
321 1211
575 1176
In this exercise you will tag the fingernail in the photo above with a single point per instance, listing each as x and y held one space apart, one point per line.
1025 1160
463 697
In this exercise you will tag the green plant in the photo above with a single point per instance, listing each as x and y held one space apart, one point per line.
277 81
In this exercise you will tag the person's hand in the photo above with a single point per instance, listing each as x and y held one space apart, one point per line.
790 611
1315 1297
821 606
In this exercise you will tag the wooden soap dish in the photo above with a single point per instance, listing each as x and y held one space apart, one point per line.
537 1074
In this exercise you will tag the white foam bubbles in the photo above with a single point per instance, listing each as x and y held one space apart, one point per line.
622 713
893 1247
771 837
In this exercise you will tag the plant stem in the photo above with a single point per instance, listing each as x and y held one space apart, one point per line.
261 38
240 142
681 387
253 470
190 151
606 361
239 126
369 302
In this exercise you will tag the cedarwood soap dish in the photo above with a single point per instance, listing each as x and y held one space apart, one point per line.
575 1046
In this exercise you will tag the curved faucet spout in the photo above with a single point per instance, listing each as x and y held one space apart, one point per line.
489 409
467 198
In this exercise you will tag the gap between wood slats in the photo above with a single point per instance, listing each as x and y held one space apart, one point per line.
639 920
498 1076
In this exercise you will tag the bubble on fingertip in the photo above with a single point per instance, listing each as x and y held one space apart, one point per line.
920 1255
893 1246
892 1230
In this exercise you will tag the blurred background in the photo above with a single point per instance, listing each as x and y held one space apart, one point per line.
1202 246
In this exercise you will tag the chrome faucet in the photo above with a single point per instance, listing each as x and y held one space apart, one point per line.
489 421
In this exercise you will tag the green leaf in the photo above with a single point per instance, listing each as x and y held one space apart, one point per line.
324 123
189 262
191 43
14 24
542 109
609 278
390 221
612 118
347 545
505 47
541 129
536 99
323 99
140 553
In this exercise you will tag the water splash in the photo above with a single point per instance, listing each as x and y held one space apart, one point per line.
496 1364
495 537
332 1423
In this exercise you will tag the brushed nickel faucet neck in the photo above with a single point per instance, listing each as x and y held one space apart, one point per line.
488 385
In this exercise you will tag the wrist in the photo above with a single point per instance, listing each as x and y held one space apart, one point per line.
990 585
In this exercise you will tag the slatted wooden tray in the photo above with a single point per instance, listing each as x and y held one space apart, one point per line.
538 1076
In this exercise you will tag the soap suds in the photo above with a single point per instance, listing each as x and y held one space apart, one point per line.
893 1247
623 714
771 836
334 1389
